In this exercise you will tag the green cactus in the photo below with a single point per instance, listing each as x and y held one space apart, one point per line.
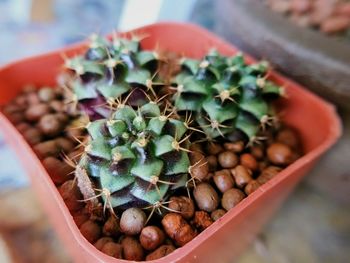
226 95
110 69
136 157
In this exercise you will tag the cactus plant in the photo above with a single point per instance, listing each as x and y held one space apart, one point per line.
135 158
227 96
110 69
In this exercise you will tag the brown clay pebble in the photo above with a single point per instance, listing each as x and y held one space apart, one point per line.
46 94
228 159
160 252
257 152
15 118
112 227
33 98
279 6
183 205
343 9
132 221
231 198
11 108
236 147
288 137
202 220
223 180
214 148
59 171
33 136
199 168
35 112
45 149
251 187
22 127
28 88
212 163
132 249
242 176
279 154
268 173
216 214
102 241
335 24
21 100
248 161
50 125
112 249
178 229
263 165
65 144
91 231
62 117
71 195
206 197
196 147
80 218
151 237
57 105
300 6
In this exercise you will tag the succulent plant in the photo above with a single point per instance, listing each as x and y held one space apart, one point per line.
226 96
135 158
109 70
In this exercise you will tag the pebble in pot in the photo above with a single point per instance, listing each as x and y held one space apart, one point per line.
236 147
132 249
279 154
242 175
199 168
268 173
50 125
223 180
112 227
248 161
251 187
228 159
112 249
183 205
71 195
151 237
91 231
132 221
231 198
206 197
102 241
216 214
160 252
202 220
178 229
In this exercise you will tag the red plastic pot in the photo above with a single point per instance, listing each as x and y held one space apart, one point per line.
315 119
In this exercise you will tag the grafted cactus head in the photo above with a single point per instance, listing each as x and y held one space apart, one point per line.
110 70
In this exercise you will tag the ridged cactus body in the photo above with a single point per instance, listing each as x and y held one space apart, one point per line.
138 155
225 94
109 70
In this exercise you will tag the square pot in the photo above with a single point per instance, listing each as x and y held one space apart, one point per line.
315 119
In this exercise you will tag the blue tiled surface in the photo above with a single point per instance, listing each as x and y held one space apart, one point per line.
12 174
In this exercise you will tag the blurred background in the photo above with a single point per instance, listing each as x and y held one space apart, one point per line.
307 40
